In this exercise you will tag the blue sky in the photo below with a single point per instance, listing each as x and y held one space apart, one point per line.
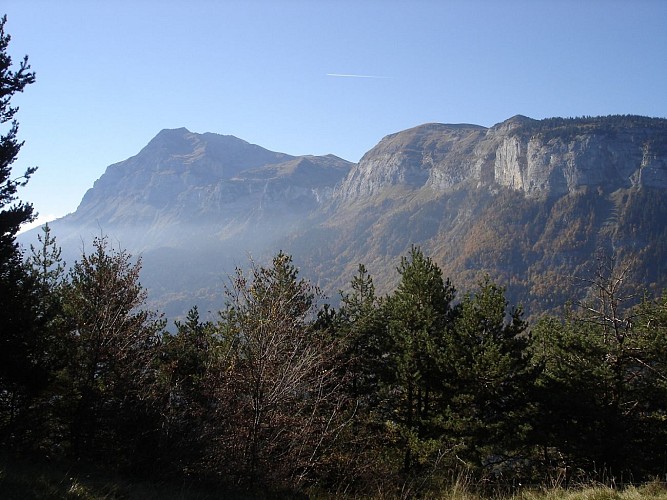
112 74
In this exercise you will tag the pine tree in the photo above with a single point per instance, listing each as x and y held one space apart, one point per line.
184 392
418 313
361 325
571 422
22 375
115 341
12 214
604 382
47 269
649 384
491 411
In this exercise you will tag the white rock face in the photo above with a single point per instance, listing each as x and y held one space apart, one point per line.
516 154
511 166
434 155
555 168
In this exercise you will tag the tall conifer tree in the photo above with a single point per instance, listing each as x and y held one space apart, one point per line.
21 372
12 213
418 315
493 376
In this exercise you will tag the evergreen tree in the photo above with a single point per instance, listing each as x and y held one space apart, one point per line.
115 343
184 392
47 273
571 424
361 325
491 411
604 383
419 314
649 385
47 269
188 353
12 213
22 375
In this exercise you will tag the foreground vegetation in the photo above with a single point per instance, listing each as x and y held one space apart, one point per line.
394 396
25 481
391 396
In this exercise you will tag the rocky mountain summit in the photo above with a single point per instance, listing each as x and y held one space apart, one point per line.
182 179
528 202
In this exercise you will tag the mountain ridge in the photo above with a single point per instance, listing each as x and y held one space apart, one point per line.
520 200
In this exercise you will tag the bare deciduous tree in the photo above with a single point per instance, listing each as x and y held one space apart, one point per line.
283 392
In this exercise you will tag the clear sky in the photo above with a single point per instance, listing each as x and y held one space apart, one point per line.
112 74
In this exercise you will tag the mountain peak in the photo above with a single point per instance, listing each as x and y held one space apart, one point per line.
517 121
179 170
180 145
170 132
169 135
170 141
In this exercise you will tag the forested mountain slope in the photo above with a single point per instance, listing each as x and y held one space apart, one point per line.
531 203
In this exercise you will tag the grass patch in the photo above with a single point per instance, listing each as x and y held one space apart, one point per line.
649 491
26 480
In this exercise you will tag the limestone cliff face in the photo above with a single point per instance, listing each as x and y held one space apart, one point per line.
556 166
434 154
545 158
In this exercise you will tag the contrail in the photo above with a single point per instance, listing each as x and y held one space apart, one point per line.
343 75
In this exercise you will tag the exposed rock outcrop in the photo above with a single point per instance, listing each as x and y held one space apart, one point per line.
539 158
